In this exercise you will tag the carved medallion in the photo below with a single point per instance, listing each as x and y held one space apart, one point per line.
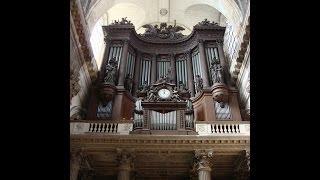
163 11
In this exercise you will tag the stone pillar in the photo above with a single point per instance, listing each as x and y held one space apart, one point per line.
242 168
123 64
203 63
203 164
153 69
104 59
75 165
136 73
173 68
190 73
125 159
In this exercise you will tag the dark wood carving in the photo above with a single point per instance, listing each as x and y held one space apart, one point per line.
163 31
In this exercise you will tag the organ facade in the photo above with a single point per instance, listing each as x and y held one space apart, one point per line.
163 107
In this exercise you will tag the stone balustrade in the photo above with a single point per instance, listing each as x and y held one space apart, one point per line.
214 128
223 128
100 127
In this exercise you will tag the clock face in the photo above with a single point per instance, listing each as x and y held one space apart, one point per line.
164 93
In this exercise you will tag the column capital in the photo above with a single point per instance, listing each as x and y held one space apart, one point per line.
242 168
203 159
125 159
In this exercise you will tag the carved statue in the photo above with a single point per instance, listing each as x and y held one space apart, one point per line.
128 83
216 72
199 83
205 22
111 71
163 32
152 95
123 21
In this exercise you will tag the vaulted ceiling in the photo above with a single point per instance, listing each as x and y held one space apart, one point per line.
185 13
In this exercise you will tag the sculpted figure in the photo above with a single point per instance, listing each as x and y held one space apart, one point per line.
111 71
199 83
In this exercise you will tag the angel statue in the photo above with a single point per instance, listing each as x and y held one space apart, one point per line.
150 30
174 32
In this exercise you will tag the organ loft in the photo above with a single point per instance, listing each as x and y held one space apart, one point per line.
162 107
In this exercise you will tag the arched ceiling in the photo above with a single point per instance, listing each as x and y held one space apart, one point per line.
185 13
142 12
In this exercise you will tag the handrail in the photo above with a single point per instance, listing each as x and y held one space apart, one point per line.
223 128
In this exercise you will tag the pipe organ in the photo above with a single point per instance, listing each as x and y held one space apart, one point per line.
116 51
167 72
145 75
130 64
163 67
163 121
196 66
181 71
211 56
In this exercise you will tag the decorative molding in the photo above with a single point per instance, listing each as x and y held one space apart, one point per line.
163 12
80 30
74 83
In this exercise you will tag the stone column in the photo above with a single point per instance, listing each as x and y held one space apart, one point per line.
123 64
79 165
242 168
190 73
173 68
104 59
203 63
153 69
125 159
75 165
203 164
136 73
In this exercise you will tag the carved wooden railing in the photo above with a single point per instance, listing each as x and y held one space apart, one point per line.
84 127
224 128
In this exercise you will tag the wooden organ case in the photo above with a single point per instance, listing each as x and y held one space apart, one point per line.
163 81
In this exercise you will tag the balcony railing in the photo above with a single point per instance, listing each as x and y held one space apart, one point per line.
224 128
215 128
84 127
